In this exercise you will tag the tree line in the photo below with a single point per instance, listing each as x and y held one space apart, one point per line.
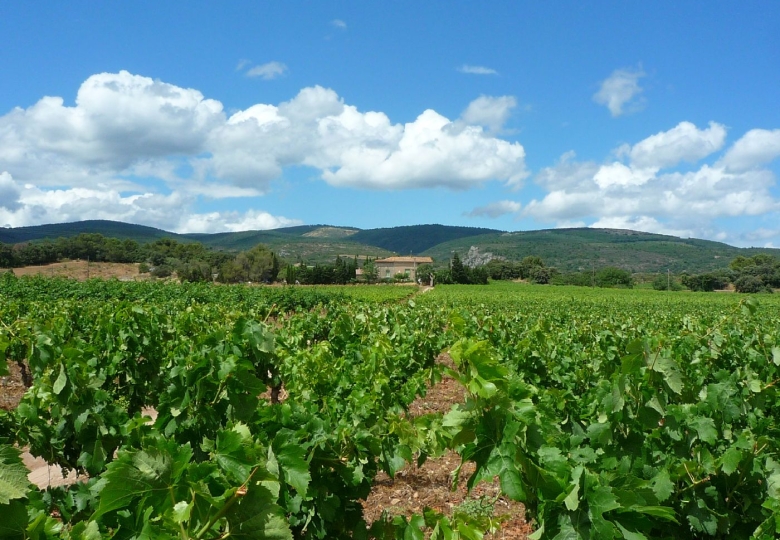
194 262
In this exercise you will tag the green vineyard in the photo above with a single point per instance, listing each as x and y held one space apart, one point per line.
608 413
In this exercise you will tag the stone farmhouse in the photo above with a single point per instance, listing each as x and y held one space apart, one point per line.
387 268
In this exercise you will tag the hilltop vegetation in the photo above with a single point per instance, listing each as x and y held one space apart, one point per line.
568 250
416 238
583 249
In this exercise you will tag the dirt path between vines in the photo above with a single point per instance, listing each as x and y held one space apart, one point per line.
414 488
41 474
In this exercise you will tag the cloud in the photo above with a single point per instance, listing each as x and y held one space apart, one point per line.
640 223
684 142
496 209
619 90
619 175
639 195
172 212
133 138
338 23
357 149
490 112
268 71
242 64
757 147
696 196
428 152
477 70
125 126
117 119
9 193
251 220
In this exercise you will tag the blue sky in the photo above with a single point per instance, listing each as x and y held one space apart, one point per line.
207 116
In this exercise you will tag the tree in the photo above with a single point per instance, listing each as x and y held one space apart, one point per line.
478 276
501 269
340 271
614 277
750 284
290 274
703 282
528 264
458 271
662 282
370 272
197 271
424 273
542 274
258 264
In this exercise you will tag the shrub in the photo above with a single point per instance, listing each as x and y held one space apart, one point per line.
750 284
541 274
162 271
614 277
703 282
663 282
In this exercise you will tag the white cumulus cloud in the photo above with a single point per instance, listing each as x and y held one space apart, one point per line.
130 138
9 193
338 23
173 212
490 112
362 149
477 70
118 118
430 153
620 90
268 71
639 195
684 142
496 209
757 147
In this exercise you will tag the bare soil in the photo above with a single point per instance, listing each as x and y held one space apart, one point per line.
414 488
11 387
82 270
42 474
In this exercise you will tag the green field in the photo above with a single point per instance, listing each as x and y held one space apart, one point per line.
608 413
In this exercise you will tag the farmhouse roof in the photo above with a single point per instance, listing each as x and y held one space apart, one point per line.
418 260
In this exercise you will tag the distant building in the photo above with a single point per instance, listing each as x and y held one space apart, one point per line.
389 267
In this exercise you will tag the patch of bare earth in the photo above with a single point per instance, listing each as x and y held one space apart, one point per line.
414 488
43 475
83 270
12 387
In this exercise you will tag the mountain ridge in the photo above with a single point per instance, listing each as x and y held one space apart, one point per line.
573 249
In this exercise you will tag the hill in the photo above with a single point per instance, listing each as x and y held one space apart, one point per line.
566 249
310 243
112 229
585 248
416 238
